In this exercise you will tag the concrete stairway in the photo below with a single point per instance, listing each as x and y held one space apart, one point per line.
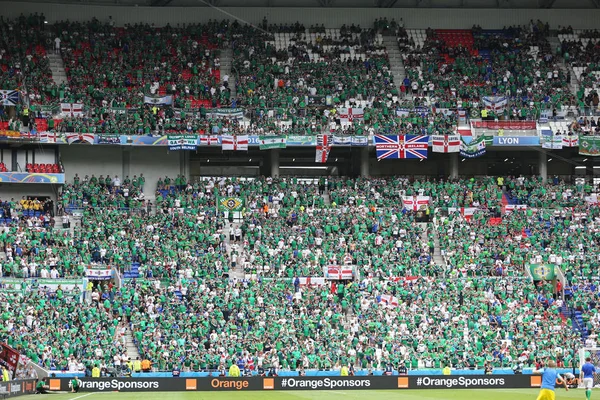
59 75
132 350
564 68
396 62
227 69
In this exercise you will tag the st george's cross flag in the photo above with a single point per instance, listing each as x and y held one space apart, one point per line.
348 115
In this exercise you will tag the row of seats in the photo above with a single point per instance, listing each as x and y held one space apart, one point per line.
43 168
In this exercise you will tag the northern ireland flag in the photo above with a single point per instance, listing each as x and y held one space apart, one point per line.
348 115
446 143
323 148
570 141
209 140
73 109
48 137
507 209
231 142
389 300
401 146
415 203
80 137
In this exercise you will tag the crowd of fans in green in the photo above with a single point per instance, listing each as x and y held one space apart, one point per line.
189 252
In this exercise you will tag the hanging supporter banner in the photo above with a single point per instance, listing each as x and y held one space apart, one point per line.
9 134
495 103
507 125
230 142
342 140
301 140
73 109
415 203
98 272
589 145
107 138
9 357
80 138
570 141
542 272
323 148
272 142
403 111
339 272
237 113
182 142
231 204
9 97
209 140
474 149
551 141
159 100
401 146
50 137
446 143
360 140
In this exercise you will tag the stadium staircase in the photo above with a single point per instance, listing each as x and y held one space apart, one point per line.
129 342
237 272
396 62
227 68
565 69
59 75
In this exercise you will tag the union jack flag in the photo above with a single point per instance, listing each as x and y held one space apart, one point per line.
401 146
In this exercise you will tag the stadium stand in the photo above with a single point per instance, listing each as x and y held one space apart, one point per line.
448 283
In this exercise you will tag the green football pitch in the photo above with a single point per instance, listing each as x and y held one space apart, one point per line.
505 394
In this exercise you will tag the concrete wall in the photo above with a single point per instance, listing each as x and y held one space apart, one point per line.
331 17
91 160
153 162
16 191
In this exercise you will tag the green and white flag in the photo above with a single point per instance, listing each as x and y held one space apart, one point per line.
589 145
542 272
474 149
182 142
273 142
230 204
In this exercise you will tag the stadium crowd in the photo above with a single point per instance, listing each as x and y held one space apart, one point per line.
236 280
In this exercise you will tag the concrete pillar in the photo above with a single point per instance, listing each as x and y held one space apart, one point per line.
543 166
453 166
274 158
184 164
126 162
364 162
